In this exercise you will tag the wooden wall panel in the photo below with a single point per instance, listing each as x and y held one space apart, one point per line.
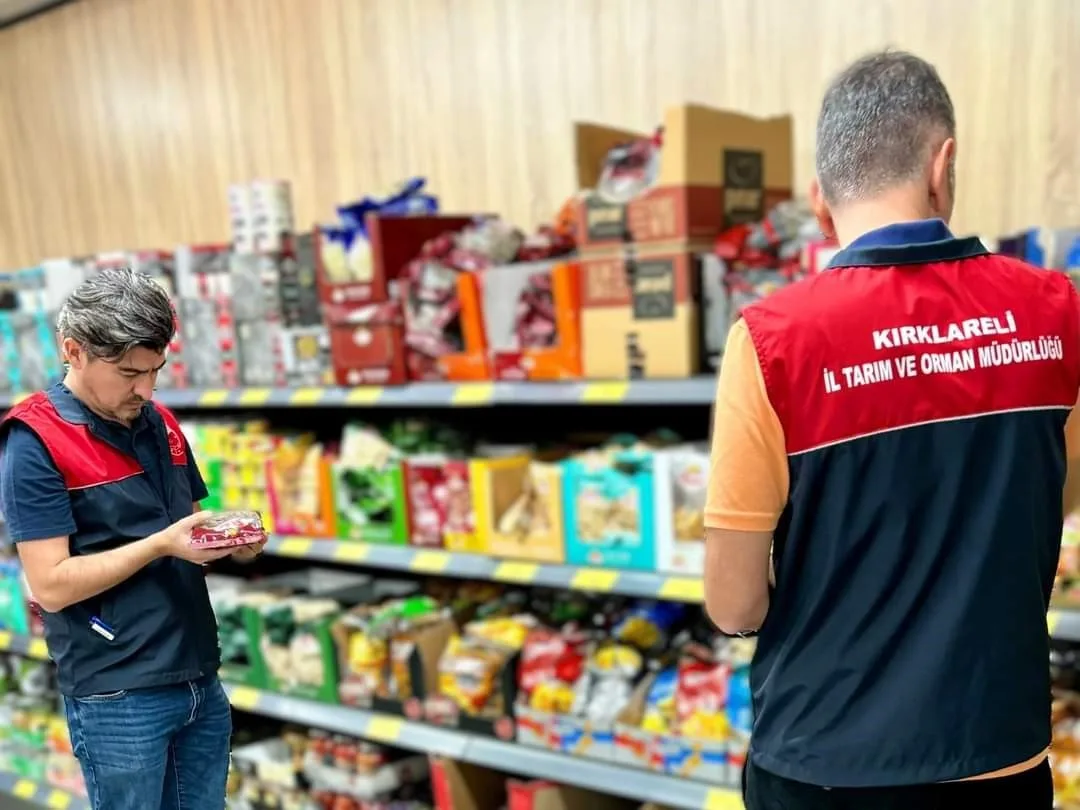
123 121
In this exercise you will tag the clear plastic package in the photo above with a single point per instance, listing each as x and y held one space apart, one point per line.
229 529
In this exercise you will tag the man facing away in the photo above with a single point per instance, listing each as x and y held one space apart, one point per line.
100 492
896 430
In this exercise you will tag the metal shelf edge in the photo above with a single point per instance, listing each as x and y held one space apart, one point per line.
40 793
697 390
533 762
440 562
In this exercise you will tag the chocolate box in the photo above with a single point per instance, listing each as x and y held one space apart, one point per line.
717 169
367 346
298 291
363 275
505 295
639 313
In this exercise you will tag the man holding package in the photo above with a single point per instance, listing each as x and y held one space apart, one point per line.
100 492
896 431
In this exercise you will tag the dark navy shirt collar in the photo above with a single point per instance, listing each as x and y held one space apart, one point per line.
917 242
71 409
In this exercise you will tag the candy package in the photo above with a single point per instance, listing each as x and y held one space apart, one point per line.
630 169
229 529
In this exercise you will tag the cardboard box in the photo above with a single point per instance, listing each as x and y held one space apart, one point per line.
392 674
717 169
460 786
261 357
681 477
540 795
305 356
298 290
504 292
428 338
817 255
438 491
370 502
639 314
367 346
609 514
238 636
519 508
301 490
348 278
691 758
294 633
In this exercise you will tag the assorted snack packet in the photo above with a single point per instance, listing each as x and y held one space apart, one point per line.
229 529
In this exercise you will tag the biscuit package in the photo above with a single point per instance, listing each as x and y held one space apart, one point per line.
229 529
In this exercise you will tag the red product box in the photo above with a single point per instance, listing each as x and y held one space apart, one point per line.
393 241
367 345
426 494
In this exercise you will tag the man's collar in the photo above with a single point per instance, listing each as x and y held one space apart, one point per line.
918 242
73 410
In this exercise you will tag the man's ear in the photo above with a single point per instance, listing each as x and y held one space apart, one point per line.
942 188
821 210
72 353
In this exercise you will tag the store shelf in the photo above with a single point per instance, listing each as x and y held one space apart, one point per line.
693 391
519 759
24 645
1064 624
40 794
478 566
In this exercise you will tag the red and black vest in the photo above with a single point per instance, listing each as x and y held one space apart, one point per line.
159 627
923 387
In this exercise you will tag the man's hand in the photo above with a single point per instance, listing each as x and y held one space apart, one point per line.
246 554
175 541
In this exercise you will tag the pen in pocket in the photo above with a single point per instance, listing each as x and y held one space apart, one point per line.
102 629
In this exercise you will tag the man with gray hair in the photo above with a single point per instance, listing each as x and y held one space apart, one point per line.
895 430
100 492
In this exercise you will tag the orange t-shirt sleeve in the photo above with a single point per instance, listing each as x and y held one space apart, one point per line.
748 477
1072 434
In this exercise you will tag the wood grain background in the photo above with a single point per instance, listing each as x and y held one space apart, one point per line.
123 121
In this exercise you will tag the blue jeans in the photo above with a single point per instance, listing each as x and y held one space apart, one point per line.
164 748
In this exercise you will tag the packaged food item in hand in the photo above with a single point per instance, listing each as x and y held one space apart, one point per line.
229 529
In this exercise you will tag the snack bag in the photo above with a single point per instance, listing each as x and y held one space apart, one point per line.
659 716
701 697
550 664
613 670
229 529
649 625
470 665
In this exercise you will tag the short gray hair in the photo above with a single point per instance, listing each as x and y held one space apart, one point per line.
876 124
116 310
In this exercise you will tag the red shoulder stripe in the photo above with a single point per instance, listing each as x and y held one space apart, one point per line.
83 460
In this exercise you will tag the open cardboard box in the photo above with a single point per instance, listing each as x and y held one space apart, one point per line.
519 508
470 364
541 795
495 721
564 733
346 282
294 632
461 786
691 758
717 169
501 289
414 656
680 475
